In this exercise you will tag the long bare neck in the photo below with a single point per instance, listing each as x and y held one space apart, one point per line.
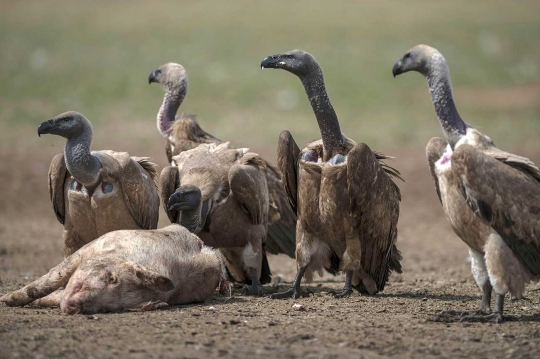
191 219
167 112
324 112
440 88
80 163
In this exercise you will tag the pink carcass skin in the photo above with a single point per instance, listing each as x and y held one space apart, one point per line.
129 270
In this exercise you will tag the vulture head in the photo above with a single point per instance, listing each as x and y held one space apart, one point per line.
203 175
68 125
297 62
421 58
187 199
172 78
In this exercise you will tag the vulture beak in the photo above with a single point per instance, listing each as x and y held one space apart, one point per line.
186 197
45 127
154 76
175 202
270 62
397 70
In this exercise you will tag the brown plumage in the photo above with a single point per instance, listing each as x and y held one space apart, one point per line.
105 190
183 133
220 193
346 201
490 197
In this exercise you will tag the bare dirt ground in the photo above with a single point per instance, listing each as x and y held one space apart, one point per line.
400 322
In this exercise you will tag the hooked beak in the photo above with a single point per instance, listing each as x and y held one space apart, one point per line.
270 62
154 76
175 202
397 70
45 127
186 197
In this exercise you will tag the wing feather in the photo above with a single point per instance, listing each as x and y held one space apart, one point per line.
248 186
57 177
287 158
137 176
374 212
505 196
434 151
281 237
168 183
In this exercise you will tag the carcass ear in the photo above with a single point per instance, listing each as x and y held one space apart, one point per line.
151 279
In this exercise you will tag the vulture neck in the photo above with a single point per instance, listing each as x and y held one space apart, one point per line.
324 112
440 87
191 219
80 163
167 112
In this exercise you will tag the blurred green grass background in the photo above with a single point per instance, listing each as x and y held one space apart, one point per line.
94 57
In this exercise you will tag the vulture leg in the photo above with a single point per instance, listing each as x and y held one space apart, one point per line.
484 311
295 291
499 304
347 290
496 316
485 305
255 288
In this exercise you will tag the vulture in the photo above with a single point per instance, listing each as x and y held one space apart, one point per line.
96 192
220 193
184 133
490 197
344 195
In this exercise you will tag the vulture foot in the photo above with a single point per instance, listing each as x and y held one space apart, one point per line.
344 293
293 293
255 289
479 315
347 289
496 317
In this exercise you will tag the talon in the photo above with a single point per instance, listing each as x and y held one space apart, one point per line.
343 294
256 290
291 293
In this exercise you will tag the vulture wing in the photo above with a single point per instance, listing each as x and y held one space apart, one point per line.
248 186
168 183
434 151
138 178
186 134
287 158
281 218
520 163
57 178
374 212
506 196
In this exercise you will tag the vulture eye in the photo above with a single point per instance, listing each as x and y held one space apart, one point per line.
106 187
407 55
66 119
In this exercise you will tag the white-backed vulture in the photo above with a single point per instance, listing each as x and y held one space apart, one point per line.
96 192
490 197
220 193
184 133
346 201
